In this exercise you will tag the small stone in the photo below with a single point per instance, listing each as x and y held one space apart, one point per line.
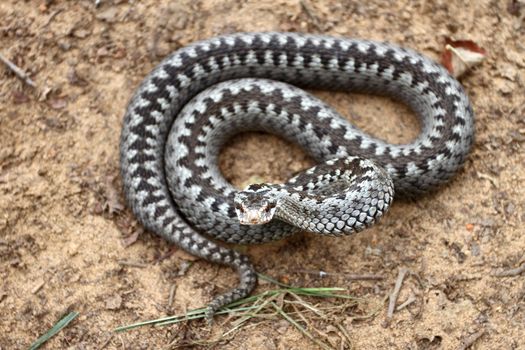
475 250
505 87
114 302
510 209
110 15
508 71
78 33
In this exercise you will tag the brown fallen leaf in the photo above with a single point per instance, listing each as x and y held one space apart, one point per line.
19 97
112 203
460 56
514 7
129 240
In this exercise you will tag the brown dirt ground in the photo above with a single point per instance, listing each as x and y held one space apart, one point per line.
67 243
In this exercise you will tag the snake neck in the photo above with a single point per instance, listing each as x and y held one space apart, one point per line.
292 210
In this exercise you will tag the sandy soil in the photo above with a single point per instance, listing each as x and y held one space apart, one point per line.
67 242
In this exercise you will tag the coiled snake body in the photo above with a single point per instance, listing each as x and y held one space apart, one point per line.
201 95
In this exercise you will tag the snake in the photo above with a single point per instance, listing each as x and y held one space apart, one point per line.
201 95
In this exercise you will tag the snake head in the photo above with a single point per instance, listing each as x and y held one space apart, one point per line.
256 204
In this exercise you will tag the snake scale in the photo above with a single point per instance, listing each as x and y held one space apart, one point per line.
202 94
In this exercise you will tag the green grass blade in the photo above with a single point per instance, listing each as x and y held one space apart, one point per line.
54 330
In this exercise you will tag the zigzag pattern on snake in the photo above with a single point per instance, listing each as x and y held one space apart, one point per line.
197 98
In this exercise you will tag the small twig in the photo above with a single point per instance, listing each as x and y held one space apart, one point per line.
409 301
510 272
349 276
18 71
467 342
365 277
38 287
395 293
310 13
132 264
489 178
106 343
50 18
172 294
306 305
345 333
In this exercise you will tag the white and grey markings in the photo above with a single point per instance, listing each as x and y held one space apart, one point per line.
181 98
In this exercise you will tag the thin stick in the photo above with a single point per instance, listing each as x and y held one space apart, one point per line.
172 294
510 272
349 276
38 287
18 71
409 301
106 343
310 13
132 264
467 343
306 305
395 293
345 333
50 18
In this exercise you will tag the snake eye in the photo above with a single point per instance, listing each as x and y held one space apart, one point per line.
269 207
239 207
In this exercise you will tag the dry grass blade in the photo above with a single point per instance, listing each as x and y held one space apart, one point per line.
250 314
237 307
306 305
345 333
257 306
287 302
510 272
374 312
300 328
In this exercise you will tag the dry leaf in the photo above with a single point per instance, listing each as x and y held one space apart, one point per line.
112 203
19 97
58 103
460 56
126 242
514 7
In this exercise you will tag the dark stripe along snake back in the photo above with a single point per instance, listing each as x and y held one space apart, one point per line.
183 94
